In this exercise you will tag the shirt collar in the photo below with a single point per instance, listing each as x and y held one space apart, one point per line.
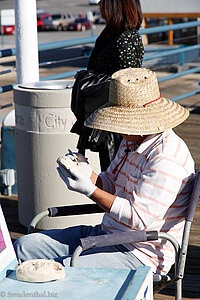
150 140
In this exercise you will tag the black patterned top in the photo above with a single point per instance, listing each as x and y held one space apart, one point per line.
121 51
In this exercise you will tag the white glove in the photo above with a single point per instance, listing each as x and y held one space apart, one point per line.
83 164
76 181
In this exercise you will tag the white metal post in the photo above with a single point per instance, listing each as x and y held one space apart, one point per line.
27 62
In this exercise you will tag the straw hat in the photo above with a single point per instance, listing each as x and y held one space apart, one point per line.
135 105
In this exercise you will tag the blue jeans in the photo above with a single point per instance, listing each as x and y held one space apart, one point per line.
59 245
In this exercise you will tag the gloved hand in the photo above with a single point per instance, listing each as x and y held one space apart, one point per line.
76 181
83 164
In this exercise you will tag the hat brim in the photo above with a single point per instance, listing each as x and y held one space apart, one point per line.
153 118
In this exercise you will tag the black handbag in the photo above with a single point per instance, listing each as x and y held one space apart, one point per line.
90 91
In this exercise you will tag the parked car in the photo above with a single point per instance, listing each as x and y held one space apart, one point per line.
7 29
80 24
100 21
40 19
93 2
57 22
96 15
40 10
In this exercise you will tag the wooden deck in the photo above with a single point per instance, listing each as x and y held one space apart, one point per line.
190 132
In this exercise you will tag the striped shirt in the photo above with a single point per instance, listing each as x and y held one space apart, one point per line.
153 183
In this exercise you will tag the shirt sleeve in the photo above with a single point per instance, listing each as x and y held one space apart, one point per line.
161 181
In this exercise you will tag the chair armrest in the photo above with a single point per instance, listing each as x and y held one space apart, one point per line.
111 240
61 211
121 238
118 238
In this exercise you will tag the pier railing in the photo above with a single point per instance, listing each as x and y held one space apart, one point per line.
157 54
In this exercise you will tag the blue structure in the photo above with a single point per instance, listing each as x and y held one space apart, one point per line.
8 154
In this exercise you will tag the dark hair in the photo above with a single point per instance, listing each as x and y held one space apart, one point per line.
121 14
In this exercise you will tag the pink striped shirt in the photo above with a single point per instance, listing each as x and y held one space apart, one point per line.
153 184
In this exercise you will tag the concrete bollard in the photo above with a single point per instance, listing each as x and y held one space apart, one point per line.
43 121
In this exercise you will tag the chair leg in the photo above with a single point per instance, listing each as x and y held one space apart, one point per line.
178 292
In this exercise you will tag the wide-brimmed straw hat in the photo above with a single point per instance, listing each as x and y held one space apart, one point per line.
136 106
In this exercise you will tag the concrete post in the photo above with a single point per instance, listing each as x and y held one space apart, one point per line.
43 121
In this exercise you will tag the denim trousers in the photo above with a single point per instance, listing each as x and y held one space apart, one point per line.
59 245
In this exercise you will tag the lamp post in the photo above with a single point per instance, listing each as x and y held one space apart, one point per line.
27 62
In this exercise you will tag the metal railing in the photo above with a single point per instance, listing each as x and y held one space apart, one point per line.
166 52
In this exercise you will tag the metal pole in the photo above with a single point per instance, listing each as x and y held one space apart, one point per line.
198 32
2 36
27 62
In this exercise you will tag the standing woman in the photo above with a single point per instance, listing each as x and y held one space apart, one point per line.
119 46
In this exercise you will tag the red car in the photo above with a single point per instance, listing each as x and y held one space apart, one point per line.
40 18
8 29
80 24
